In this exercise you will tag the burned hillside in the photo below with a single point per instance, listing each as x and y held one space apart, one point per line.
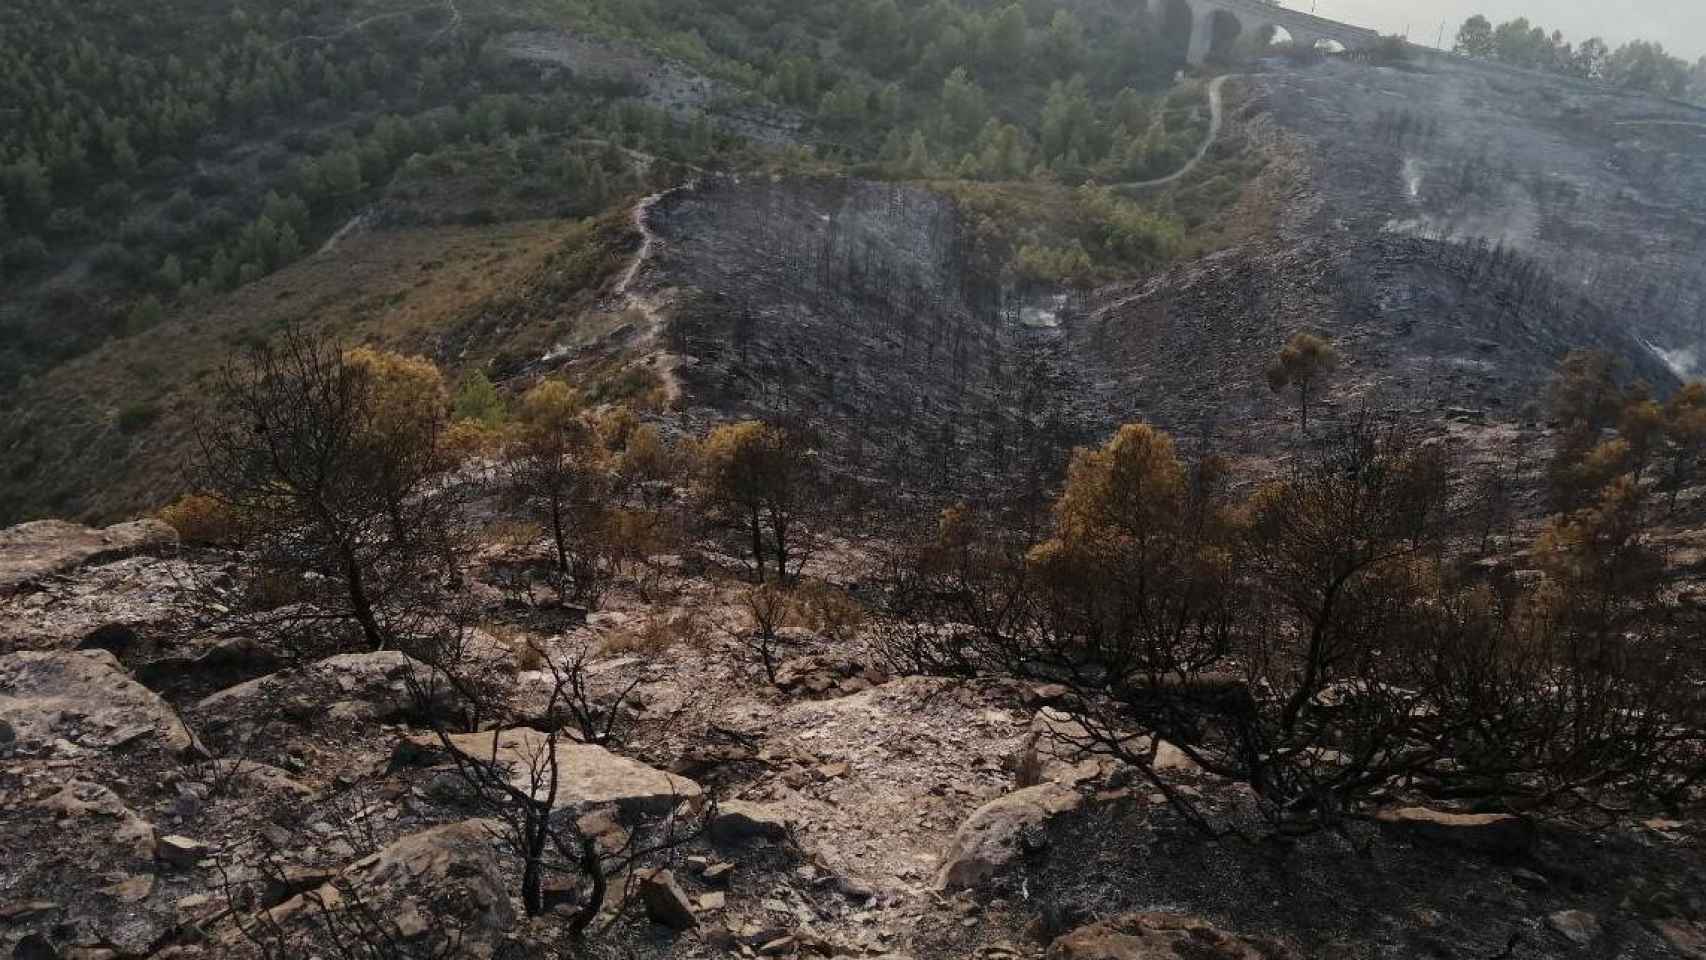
1601 188
855 306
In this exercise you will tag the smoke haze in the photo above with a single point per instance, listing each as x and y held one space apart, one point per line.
1678 24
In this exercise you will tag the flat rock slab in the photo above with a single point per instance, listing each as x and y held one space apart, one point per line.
588 775
133 607
44 548
86 698
354 686
1501 834
738 821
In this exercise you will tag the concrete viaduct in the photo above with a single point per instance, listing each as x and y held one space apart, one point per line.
1255 17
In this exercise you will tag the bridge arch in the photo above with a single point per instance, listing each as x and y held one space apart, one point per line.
1216 25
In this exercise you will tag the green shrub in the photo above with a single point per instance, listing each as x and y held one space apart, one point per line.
476 399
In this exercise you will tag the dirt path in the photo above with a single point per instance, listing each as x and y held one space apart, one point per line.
355 223
651 305
1216 113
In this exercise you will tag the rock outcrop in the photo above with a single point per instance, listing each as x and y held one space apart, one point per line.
369 687
823 676
74 701
1500 834
96 812
588 776
445 885
87 781
999 832
43 548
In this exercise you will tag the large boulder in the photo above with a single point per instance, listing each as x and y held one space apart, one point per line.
43 548
998 833
432 891
1500 834
1161 936
86 700
588 776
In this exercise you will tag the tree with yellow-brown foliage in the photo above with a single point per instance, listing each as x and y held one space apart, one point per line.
561 470
596 479
1587 400
1301 365
324 459
1329 642
764 480
1685 437
1141 563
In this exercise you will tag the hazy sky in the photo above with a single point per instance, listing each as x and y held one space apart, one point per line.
1678 24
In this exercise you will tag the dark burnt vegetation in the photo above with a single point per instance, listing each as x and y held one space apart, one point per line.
862 309
1335 641
1596 188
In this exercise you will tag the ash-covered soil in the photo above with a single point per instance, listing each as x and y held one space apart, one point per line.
1605 189
851 304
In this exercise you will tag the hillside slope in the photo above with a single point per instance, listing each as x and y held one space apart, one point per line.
947 329
110 433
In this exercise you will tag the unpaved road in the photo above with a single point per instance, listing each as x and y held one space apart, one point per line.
1215 115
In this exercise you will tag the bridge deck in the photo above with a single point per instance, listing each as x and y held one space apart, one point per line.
1257 10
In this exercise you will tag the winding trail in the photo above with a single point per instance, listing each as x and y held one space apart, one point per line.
1216 114
650 305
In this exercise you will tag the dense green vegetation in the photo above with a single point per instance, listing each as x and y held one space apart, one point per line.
1637 65
163 151
965 89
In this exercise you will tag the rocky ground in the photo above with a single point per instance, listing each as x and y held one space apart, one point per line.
163 785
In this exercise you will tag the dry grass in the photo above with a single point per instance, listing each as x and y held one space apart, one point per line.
526 652
826 610
513 533
658 632
201 520
463 293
